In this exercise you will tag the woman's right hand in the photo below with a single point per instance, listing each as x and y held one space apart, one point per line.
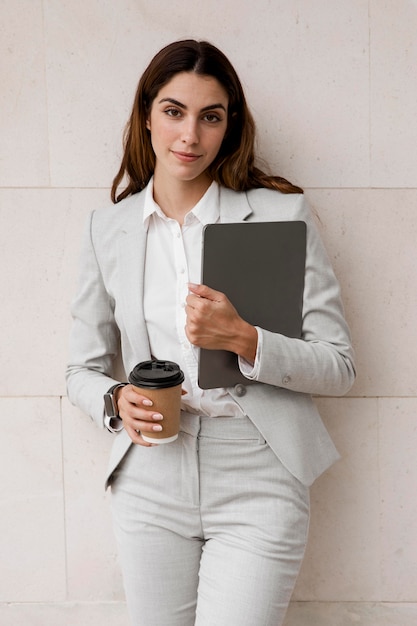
136 412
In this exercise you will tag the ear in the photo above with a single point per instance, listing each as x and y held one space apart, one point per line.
148 124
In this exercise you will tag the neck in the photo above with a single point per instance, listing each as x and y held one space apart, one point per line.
179 197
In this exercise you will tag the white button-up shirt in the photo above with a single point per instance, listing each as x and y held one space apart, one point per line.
173 259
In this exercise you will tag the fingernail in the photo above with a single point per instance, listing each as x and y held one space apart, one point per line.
147 402
157 427
157 416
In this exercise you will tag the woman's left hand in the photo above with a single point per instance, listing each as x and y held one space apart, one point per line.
213 323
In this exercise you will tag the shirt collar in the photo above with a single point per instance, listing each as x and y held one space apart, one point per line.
207 209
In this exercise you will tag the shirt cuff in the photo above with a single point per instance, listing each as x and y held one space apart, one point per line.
249 370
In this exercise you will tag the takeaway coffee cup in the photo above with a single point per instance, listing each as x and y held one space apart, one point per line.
160 381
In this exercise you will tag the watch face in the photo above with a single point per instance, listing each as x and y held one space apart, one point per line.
109 405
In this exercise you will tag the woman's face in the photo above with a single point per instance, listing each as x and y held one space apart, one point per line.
187 122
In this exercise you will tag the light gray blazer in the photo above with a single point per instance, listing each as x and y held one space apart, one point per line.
108 319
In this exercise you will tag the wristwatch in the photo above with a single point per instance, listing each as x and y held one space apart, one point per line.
110 409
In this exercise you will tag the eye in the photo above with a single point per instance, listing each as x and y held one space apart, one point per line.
212 118
172 112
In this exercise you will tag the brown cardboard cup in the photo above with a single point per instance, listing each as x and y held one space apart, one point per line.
161 382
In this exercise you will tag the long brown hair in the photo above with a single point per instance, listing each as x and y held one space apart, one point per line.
234 166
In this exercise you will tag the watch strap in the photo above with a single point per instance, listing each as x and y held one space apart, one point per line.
110 407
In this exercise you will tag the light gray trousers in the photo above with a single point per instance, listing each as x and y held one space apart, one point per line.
211 529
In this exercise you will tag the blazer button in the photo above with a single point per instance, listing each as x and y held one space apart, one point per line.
286 380
240 390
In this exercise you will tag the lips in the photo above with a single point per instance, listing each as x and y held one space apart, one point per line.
186 157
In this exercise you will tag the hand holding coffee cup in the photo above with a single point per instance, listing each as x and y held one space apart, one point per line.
160 382
137 414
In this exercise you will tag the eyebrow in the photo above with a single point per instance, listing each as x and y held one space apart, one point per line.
218 105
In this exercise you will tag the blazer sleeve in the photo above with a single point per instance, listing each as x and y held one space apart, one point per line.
94 338
322 361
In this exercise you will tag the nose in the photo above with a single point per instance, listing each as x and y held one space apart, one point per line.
190 131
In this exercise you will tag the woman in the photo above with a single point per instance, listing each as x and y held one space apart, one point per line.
211 528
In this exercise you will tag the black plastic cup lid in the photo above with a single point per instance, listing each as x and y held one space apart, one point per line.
156 374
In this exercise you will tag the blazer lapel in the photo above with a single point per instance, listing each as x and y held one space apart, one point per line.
131 252
234 206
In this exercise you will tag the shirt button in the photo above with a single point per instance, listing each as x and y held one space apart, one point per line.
286 380
240 390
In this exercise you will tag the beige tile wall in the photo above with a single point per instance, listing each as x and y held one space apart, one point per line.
334 91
